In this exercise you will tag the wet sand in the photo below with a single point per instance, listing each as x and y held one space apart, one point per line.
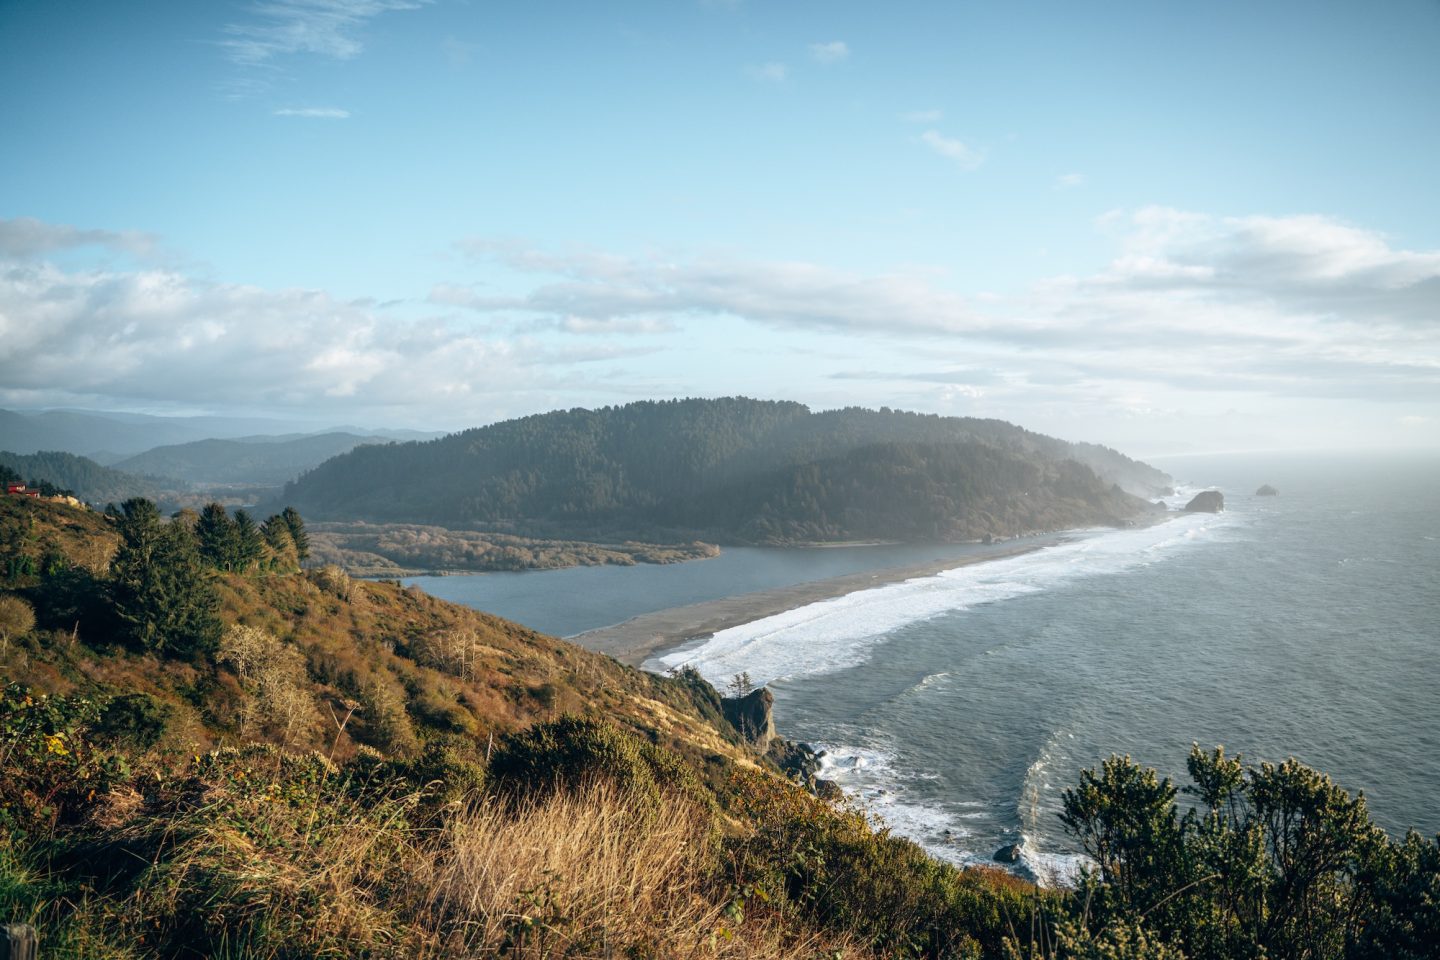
640 638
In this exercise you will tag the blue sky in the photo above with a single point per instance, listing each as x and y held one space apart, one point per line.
1162 226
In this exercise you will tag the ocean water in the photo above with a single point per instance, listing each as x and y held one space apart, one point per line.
958 707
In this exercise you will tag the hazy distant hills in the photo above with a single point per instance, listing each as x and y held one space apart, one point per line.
250 460
735 470
108 437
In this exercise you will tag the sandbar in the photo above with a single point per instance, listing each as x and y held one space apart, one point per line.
643 637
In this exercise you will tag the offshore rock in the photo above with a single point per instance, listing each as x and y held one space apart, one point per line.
798 760
751 715
1009 854
1267 491
1207 501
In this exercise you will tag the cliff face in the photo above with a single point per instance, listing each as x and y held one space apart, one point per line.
751 716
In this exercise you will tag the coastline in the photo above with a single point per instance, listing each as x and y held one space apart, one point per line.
643 637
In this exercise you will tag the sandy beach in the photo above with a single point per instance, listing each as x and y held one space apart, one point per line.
640 638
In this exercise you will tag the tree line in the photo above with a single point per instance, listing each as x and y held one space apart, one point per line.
161 577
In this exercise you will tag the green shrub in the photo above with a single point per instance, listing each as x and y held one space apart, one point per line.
572 752
885 892
134 720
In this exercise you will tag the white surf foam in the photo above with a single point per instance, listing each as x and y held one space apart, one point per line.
869 777
833 634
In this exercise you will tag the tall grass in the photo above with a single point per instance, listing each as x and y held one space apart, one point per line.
599 872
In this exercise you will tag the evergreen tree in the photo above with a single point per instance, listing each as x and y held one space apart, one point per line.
217 535
158 587
283 555
297 532
249 544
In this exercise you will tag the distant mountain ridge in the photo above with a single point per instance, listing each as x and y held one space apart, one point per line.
107 437
736 470
248 460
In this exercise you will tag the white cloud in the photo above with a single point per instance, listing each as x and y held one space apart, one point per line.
769 72
1194 314
322 113
1068 180
951 149
156 338
327 28
832 52
922 116
607 288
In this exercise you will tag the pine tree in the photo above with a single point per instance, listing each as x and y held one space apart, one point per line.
217 535
158 586
297 532
249 544
283 555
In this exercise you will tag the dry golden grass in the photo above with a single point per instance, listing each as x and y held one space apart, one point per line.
598 873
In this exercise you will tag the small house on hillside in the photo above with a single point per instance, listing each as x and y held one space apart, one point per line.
17 489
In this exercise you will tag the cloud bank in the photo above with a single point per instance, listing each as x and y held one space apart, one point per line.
1192 309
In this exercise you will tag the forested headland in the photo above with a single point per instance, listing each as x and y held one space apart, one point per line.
735 471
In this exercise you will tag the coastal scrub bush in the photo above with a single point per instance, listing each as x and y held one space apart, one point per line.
281 705
17 618
881 891
573 752
49 770
1274 861
136 721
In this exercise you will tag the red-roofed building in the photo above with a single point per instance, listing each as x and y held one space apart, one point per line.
17 489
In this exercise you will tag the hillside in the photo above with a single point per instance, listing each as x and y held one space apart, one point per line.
250 460
87 479
735 470
338 753
314 767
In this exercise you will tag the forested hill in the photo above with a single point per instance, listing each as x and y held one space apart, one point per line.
735 470
84 477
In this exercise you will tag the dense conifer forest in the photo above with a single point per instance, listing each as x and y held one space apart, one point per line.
735 470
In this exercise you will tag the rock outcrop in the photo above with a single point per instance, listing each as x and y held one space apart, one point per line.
751 715
1207 501
798 760
1267 491
1009 853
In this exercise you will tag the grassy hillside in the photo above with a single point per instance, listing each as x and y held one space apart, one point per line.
734 470
348 769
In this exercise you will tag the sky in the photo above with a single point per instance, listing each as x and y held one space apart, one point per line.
1165 227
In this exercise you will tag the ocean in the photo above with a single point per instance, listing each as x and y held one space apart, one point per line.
958 707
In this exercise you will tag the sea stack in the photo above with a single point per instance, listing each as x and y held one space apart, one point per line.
1267 491
751 715
1207 501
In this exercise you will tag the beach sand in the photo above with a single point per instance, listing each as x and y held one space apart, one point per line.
640 638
